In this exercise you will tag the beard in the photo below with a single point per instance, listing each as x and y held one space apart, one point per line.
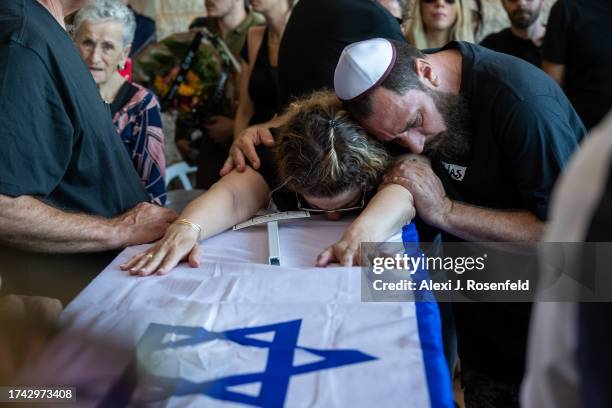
454 142
523 19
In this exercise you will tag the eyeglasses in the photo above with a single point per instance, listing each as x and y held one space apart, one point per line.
435 1
320 210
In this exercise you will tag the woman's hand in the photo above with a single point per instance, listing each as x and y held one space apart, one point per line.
179 243
346 252
244 147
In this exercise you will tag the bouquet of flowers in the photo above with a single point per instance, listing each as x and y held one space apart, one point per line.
185 71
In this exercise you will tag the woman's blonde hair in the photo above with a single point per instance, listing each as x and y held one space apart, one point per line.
415 30
321 152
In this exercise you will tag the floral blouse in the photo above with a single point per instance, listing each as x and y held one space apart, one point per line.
137 117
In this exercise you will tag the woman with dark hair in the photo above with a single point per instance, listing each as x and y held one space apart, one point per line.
322 162
259 97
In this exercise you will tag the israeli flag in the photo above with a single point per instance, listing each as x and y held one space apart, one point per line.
237 332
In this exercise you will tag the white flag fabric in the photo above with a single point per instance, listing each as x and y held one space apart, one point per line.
238 332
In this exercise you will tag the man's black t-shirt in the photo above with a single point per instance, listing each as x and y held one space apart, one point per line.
579 36
57 140
523 133
57 143
508 43
316 34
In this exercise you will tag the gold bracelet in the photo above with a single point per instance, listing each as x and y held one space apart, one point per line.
196 227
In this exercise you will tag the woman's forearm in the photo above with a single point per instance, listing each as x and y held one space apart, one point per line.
388 211
233 199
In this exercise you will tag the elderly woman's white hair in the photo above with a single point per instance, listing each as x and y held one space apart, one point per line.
101 11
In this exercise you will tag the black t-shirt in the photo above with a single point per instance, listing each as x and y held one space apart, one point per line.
57 141
524 131
508 43
579 36
316 34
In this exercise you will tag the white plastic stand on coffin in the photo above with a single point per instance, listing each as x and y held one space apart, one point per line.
272 219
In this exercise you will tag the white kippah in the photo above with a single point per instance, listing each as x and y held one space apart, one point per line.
363 66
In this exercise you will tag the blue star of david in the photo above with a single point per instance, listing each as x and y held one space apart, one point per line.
274 379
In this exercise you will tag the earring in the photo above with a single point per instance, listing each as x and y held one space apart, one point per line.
121 67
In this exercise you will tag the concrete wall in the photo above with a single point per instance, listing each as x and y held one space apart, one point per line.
171 15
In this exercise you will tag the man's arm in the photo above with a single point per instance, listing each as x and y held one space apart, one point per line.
29 224
555 71
555 48
488 225
465 221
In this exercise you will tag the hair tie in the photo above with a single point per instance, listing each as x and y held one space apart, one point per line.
332 123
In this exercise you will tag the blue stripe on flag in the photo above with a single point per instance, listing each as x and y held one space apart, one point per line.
430 333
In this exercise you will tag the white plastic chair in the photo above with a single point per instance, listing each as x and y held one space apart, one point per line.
178 199
180 170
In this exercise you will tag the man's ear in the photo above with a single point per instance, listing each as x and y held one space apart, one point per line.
426 73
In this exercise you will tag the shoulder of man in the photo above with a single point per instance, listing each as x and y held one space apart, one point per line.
207 22
14 57
31 33
251 20
492 39
255 18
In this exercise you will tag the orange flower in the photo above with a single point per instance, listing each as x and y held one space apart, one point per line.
186 90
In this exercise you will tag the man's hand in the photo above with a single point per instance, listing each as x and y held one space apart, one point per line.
430 199
243 146
142 224
32 225
220 129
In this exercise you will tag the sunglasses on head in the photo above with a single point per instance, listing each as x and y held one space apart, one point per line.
435 1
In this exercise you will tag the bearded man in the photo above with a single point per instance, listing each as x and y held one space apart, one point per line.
525 36
498 132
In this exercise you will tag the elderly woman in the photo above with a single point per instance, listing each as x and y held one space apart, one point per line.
103 33
434 23
322 162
